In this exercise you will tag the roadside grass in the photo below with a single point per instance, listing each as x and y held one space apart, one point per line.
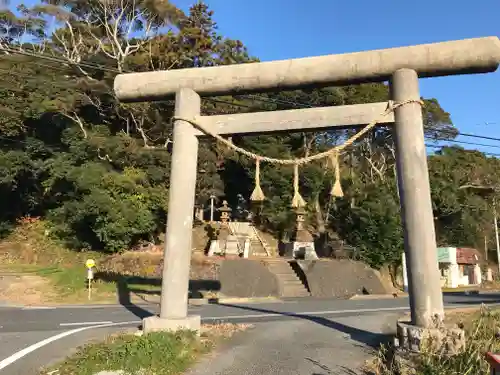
482 333
460 289
69 284
29 251
160 353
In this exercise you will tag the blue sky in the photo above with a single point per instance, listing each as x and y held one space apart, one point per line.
279 29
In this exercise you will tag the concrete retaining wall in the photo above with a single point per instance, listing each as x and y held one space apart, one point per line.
329 278
247 278
326 278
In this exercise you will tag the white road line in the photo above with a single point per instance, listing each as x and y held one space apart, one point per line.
20 354
264 315
84 323
101 306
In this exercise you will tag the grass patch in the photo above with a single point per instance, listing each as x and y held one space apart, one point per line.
153 354
29 250
70 285
482 329
58 274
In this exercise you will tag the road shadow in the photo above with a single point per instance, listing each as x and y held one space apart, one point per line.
366 338
462 293
144 287
473 298
477 301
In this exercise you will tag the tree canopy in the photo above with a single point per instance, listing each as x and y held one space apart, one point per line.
98 170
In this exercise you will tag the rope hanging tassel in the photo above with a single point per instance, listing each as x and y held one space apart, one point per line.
257 194
333 154
336 187
297 200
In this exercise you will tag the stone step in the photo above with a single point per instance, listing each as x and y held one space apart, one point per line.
282 272
287 278
291 285
284 266
295 293
298 295
292 282
272 262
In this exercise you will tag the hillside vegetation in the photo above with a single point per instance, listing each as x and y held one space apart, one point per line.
97 171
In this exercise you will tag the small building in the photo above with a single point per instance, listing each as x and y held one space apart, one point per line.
458 267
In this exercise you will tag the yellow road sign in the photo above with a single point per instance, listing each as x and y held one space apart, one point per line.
90 263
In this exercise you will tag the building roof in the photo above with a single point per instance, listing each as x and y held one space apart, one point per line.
468 256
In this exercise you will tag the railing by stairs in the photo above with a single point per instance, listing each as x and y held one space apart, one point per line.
247 229
263 243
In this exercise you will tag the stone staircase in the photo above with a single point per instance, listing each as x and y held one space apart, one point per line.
257 249
290 283
244 230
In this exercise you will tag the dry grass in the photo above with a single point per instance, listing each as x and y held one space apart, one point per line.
223 330
27 290
35 269
150 264
482 329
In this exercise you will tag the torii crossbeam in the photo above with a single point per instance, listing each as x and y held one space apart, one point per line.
401 66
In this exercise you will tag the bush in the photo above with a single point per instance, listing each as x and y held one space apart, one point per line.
110 210
373 226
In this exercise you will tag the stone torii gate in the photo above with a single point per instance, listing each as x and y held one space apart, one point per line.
402 67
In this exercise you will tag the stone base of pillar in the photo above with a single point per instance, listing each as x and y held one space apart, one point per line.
413 338
304 250
300 250
157 324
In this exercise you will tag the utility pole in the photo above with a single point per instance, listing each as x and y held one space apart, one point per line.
486 248
495 223
212 198
487 191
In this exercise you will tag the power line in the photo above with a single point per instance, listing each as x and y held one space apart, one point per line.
250 96
63 61
442 146
98 67
462 142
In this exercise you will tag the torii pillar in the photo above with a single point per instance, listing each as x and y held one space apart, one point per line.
401 66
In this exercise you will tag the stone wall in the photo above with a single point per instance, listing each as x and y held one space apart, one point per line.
247 278
327 278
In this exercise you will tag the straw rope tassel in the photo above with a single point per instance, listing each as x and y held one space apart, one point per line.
257 194
337 187
297 200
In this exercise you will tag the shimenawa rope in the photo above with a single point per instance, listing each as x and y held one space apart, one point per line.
333 154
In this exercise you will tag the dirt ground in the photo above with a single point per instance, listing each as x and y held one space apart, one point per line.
27 290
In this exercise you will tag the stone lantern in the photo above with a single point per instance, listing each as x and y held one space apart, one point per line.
228 243
303 241
219 246
225 213
301 233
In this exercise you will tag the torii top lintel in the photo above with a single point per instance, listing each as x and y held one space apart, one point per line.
468 56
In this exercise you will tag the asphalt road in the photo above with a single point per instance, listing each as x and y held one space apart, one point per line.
32 337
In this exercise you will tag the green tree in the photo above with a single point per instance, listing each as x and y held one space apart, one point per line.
98 169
